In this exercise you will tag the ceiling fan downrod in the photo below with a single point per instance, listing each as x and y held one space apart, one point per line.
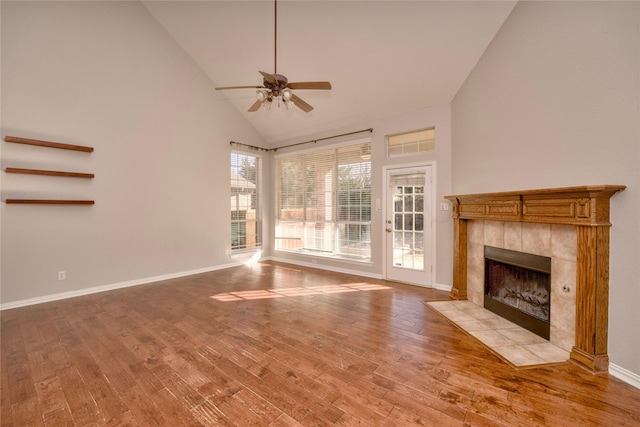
275 36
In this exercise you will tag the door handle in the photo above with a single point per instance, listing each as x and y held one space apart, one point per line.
389 230
388 221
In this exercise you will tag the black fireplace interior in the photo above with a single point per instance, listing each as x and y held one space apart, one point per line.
518 288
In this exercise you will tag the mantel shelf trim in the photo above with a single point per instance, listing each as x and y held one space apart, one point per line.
586 205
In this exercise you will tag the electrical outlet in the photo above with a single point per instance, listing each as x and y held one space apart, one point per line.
444 206
62 275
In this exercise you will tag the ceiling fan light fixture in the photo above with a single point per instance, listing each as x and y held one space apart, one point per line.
287 94
289 104
262 95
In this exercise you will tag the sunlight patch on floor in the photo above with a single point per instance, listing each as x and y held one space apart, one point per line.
295 292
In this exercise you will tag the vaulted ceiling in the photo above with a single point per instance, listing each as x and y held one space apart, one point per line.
382 57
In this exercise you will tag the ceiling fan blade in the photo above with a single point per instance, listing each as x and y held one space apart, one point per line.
310 85
239 87
270 78
300 103
255 107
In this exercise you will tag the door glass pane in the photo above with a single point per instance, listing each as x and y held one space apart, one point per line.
397 204
408 226
408 203
419 222
419 202
408 221
398 221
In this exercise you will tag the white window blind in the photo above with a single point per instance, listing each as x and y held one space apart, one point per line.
414 180
422 141
246 216
324 202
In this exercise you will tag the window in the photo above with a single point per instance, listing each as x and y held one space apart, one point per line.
404 144
246 217
324 202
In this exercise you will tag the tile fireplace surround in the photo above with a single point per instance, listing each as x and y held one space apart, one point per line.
570 225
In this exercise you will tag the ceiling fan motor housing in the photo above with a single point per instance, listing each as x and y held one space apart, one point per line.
275 82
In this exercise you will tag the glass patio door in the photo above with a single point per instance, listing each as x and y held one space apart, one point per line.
408 225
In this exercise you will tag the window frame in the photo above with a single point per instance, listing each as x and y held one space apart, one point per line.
414 146
238 217
306 226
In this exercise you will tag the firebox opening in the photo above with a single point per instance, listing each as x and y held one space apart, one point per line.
518 288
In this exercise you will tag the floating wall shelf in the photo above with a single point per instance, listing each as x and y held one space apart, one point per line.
49 202
49 173
49 144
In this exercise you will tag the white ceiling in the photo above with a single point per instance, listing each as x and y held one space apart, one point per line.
382 57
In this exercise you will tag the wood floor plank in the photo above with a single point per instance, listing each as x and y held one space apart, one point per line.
51 395
235 409
6 417
90 355
362 405
174 409
144 409
408 411
284 420
188 396
210 415
277 397
259 406
78 396
330 349
26 413
58 418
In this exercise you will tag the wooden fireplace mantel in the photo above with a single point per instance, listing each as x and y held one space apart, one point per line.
586 207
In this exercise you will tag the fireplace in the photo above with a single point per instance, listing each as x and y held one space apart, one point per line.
585 210
518 288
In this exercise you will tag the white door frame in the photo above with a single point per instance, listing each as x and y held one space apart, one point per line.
431 272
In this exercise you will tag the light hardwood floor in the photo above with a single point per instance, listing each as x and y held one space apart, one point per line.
278 345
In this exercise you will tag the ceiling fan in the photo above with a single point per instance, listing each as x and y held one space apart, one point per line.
276 87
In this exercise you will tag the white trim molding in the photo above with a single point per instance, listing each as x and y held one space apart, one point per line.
442 287
104 288
323 267
625 375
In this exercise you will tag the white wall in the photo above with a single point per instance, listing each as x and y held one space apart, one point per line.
104 74
555 102
440 118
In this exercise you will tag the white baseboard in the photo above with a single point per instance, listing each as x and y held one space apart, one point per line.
96 289
323 267
441 287
624 375
143 281
438 286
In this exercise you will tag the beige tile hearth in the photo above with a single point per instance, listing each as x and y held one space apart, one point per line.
513 343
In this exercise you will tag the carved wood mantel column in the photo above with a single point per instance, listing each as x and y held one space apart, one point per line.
585 207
